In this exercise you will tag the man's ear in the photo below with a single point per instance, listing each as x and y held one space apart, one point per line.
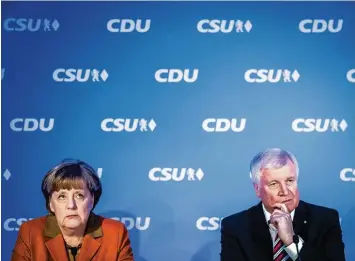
257 189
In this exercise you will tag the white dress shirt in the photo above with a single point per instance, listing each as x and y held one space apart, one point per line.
291 249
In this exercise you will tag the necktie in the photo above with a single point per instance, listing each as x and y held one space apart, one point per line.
279 252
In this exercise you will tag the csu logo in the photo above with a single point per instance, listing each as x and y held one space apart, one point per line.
224 26
351 76
13 224
79 75
138 223
175 174
347 174
7 174
176 75
223 125
21 124
128 25
272 76
32 25
209 223
319 125
320 26
129 125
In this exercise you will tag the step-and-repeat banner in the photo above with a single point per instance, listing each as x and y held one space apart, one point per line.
170 101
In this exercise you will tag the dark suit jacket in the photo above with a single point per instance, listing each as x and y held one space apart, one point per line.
40 239
245 236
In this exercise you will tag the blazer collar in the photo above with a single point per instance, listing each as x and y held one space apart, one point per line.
56 245
300 221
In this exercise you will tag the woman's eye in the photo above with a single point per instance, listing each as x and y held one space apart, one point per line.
80 196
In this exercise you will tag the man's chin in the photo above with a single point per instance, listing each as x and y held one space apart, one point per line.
290 204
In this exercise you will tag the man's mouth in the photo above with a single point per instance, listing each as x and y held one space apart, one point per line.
286 201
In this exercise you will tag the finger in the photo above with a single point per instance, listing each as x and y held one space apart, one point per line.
284 208
280 212
281 206
278 217
277 211
275 219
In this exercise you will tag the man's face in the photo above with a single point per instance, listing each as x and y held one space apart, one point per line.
278 186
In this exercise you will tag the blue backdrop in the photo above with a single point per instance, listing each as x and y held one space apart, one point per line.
170 101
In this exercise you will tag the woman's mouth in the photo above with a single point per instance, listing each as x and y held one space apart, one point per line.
72 216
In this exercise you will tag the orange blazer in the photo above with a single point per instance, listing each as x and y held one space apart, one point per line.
40 239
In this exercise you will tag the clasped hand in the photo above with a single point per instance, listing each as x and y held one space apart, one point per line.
282 221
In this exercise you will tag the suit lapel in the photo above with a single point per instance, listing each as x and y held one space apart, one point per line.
300 222
57 249
260 233
54 240
89 248
91 241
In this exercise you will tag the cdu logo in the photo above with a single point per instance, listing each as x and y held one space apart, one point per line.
21 124
224 125
128 25
176 75
30 24
138 223
320 26
79 75
223 26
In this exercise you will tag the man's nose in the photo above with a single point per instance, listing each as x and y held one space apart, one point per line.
284 189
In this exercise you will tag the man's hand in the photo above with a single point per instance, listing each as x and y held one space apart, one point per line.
282 220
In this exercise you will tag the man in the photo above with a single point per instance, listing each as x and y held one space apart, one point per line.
269 230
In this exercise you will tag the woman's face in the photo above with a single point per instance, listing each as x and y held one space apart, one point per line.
72 207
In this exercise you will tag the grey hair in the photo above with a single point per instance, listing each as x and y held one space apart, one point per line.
270 158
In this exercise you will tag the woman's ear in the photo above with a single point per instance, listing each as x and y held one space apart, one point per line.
92 201
51 205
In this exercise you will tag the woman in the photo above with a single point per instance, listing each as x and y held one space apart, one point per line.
71 231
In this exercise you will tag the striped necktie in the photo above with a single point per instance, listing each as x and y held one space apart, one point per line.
280 253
